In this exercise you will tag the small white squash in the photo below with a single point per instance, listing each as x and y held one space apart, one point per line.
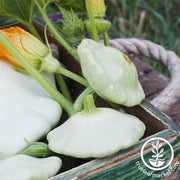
100 133
110 73
23 167
26 109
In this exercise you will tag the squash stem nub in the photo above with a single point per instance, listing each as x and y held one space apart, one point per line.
89 105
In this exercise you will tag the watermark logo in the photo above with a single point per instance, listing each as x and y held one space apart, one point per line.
157 163
158 159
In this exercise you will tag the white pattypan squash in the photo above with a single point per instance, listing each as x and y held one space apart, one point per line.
26 109
110 73
99 133
23 167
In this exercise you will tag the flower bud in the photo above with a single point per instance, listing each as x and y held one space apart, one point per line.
31 48
99 8
36 149
110 73
101 26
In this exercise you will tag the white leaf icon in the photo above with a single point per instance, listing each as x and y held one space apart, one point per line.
160 155
162 150
157 144
154 146
160 145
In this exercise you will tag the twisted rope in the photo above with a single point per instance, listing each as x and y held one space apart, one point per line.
171 94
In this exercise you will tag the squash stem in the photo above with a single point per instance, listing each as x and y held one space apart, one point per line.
63 87
73 76
72 51
78 105
89 105
106 39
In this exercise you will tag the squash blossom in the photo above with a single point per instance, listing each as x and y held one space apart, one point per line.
99 8
31 48
110 73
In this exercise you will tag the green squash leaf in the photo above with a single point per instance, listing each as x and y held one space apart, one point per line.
73 26
19 10
76 5
43 3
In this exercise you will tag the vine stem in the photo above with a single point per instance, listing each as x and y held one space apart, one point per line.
92 21
59 79
66 104
78 105
73 76
63 87
58 36
106 39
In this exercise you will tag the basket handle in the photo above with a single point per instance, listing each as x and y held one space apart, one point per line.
171 94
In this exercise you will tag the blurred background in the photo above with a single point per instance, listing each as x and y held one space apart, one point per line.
155 20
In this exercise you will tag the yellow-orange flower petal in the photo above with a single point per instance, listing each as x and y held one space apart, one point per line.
30 47
26 43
